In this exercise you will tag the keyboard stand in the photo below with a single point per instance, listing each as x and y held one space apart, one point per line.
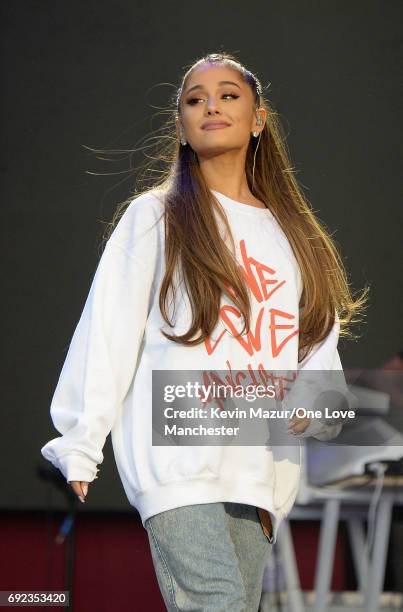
330 505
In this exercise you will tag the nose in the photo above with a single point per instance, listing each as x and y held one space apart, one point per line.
212 107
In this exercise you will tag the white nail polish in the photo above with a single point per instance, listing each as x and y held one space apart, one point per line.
81 499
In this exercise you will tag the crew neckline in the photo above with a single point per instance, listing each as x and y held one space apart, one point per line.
239 206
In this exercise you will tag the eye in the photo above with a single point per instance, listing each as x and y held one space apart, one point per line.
191 101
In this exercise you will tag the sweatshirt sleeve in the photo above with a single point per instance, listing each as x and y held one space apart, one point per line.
321 371
103 351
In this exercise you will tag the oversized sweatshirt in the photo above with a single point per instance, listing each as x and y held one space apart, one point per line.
105 385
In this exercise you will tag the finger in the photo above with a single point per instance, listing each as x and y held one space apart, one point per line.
296 422
76 486
290 428
300 427
293 420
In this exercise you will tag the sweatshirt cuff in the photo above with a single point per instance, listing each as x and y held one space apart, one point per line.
77 467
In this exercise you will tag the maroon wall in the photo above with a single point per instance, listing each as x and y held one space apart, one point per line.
113 565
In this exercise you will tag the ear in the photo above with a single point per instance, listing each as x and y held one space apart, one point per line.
262 113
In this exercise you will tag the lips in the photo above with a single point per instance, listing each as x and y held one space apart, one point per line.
213 125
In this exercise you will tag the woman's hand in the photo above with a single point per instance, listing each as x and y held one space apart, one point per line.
80 488
298 424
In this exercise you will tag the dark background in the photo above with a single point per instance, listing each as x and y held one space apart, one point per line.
95 74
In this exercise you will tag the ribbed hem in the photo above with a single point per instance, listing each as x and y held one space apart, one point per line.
77 467
207 490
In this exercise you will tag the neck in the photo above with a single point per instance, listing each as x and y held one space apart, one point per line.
226 174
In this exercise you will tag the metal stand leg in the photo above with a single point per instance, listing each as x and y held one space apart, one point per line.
376 571
324 565
357 541
285 543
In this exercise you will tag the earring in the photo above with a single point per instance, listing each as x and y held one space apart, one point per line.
259 122
182 137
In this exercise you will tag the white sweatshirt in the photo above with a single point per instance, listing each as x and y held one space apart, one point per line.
105 382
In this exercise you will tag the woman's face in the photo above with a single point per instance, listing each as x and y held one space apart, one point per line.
218 93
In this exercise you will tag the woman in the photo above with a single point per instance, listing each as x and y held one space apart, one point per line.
262 289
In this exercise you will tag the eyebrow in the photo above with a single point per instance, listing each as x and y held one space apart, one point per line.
220 83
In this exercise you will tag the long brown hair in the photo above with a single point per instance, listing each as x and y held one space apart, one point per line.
194 243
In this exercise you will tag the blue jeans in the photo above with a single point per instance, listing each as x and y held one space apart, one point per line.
209 557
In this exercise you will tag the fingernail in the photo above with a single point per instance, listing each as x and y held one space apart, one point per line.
85 489
81 499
